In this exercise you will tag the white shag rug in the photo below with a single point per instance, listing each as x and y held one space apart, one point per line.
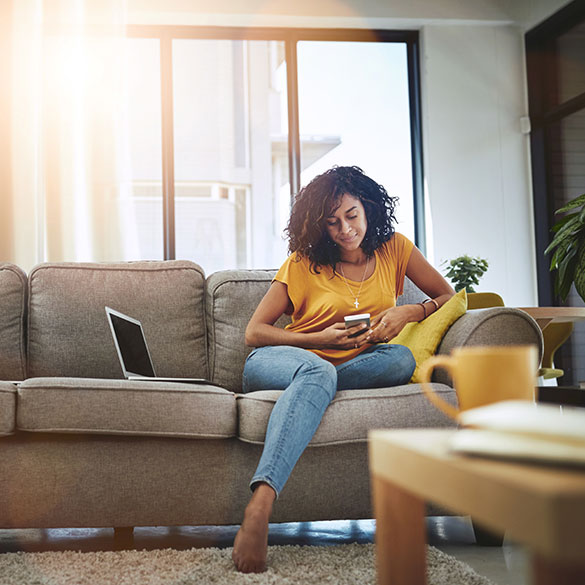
346 564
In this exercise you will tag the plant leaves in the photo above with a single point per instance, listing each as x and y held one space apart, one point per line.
562 222
576 202
561 252
556 257
570 230
565 264
569 241
571 224
564 288
566 275
465 271
561 243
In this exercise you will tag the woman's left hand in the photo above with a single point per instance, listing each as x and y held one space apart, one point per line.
387 325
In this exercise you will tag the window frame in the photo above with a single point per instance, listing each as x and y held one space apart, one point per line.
542 82
290 36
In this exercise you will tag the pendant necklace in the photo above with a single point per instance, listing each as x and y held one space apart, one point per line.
356 297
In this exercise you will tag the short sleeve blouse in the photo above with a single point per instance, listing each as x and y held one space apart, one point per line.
320 300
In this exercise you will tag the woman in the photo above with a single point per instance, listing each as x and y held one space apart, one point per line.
345 258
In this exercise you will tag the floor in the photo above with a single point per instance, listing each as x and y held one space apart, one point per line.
506 565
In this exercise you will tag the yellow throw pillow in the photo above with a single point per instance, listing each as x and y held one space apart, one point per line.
424 337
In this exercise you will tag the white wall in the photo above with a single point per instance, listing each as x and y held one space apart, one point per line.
308 13
476 158
321 13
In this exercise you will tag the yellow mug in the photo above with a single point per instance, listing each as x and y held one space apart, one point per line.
484 374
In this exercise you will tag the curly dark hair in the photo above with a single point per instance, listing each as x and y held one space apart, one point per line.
314 203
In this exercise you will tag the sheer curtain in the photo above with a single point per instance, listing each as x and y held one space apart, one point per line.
67 130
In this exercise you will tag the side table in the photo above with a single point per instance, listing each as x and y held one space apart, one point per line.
539 506
545 315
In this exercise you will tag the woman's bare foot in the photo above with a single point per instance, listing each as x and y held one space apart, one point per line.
251 542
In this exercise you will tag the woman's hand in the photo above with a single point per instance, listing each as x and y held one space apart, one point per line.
336 336
388 324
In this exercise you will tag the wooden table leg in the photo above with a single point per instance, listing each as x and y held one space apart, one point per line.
549 572
400 535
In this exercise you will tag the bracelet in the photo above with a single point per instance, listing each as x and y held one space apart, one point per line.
434 303
425 311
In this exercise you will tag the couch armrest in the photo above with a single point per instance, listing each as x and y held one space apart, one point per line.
495 326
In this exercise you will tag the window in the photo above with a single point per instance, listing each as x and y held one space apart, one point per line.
364 119
556 84
247 117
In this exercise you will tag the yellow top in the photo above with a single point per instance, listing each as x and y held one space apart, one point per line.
320 300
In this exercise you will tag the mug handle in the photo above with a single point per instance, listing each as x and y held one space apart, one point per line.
426 370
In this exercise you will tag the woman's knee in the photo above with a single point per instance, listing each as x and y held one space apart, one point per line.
270 367
312 364
276 367
383 365
405 362
319 372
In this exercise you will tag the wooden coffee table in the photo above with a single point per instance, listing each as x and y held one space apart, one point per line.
540 506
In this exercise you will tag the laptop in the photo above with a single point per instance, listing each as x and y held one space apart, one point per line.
133 350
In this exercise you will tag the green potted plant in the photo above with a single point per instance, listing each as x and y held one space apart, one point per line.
569 248
465 271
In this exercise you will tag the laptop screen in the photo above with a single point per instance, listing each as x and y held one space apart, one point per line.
132 346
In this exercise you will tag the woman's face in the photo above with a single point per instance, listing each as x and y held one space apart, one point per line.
347 223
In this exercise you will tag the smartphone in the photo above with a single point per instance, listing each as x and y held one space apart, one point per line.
353 320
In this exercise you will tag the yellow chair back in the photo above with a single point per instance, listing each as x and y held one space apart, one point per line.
483 300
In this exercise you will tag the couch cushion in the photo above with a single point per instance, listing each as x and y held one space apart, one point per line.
351 414
423 337
68 333
232 297
12 319
124 407
7 408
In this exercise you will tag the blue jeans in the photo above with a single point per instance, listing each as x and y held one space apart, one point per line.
310 383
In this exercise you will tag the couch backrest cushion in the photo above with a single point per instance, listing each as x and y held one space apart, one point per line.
232 297
12 322
68 333
411 294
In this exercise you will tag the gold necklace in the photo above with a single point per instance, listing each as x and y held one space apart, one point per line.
356 297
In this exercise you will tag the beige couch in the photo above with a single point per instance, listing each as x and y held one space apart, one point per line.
81 447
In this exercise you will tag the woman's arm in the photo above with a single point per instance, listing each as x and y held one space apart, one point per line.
428 279
391 322
261 330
